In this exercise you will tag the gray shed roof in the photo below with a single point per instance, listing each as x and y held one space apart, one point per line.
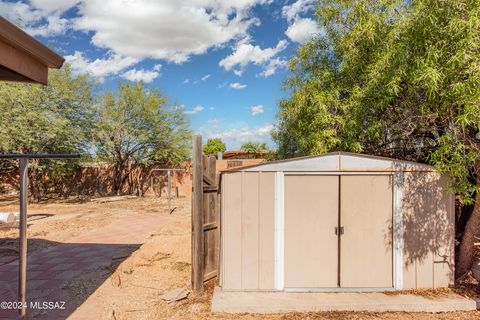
337 161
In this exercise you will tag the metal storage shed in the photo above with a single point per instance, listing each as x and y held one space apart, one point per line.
336 222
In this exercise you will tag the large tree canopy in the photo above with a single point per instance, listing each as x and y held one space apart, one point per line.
135 126
46 119
392 78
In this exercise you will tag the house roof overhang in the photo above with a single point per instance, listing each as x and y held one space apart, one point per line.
23 58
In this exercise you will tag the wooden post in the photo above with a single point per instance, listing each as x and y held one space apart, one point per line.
197 217
169 193
151 185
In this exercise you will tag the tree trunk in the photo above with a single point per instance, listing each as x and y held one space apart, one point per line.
118 178
35 192
466 249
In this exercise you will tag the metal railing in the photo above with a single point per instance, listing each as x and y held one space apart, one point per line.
169 184
22 265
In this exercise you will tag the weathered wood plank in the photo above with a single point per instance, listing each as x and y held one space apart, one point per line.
210 275
209 189
23 64
210 215
205 218
210 226
208 180
197 217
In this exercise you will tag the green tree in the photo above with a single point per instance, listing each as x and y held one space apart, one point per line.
392 78
213 146
254 147
135 126
46 119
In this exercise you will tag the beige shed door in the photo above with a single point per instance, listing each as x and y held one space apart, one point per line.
366 245
311 246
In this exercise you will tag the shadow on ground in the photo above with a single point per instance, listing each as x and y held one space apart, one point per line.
64 275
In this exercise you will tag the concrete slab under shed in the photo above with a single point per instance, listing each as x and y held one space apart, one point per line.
279 302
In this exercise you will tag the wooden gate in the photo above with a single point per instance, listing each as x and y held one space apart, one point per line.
205 217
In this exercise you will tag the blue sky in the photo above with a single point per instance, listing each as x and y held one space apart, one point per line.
223 61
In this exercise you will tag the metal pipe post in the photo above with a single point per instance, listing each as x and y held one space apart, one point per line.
22 271
151 185
22 266
169 193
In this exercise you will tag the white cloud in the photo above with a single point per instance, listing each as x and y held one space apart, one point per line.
205 77
256 110
157 67
54 26
246 53
141 75
302 29
186 81
237 85
214 121
211 108
195 110
172 30
49 6
292 11
40 18
221 85
99 68
19 12
272 66
234 137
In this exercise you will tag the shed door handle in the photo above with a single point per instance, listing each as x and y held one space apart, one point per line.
339 230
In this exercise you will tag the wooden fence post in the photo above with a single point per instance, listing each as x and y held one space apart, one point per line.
197 216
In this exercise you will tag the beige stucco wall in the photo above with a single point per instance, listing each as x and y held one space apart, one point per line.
248 221
428 221
236 163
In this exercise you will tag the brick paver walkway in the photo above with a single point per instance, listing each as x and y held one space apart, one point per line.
48 270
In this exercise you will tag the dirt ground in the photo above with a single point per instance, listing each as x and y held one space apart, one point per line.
61 219
133 289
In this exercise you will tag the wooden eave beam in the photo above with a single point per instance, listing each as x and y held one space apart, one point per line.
22 57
